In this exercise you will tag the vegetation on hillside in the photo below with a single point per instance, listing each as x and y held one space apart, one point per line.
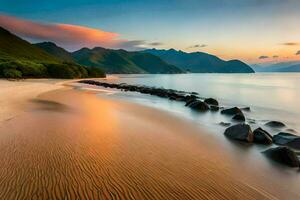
20 59
27 69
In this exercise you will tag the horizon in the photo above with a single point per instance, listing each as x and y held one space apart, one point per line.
227 29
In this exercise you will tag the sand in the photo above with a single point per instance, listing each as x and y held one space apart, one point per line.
61 143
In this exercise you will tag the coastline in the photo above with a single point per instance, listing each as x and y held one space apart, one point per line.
71 144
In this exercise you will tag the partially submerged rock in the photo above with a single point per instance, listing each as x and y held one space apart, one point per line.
214 108
226 124
275 124
262 137
287 139
283 138
199 106
231 111
241 132
239 117
283 155
211 101
246 109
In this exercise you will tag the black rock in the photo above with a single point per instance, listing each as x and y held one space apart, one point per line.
295 144
275 124
239 117
199 106
190 101
283 138
225 124
214 108
231 111
283 155
246 109
211 101
240 132
262 137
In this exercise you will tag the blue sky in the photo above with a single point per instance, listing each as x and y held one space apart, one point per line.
245 29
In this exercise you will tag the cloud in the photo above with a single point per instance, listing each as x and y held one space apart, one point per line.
275 56
155 44
298 52
133 45
197 46
71 37
290 43
263 57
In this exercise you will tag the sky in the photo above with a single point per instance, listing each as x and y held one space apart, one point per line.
254 31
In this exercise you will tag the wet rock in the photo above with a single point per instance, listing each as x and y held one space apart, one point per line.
231 111
262 137
211 101
283 138
214 108
190 101
224 124
275 124
241 132
246 109
239 117
295 144
291 130
199 106
283 155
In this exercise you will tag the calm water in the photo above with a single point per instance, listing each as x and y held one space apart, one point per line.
271 96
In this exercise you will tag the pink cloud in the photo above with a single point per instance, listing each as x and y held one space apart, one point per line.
68 36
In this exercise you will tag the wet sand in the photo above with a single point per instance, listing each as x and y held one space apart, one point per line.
70 144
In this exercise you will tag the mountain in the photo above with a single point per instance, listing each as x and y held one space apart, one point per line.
290 66
20 59
55 51
13 47
121 61
199 62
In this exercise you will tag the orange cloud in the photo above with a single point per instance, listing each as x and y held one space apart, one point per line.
69 36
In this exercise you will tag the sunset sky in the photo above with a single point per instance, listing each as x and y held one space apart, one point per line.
254 31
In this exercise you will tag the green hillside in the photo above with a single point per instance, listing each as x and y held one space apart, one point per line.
20 59
13 47
55 51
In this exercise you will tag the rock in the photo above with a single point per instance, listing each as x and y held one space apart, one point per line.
240 132
295 144
214 108
275 124
239 117
291 130
225 124
283 155
211 101
262 137
246 109
282 138
190 101
231 111
199 106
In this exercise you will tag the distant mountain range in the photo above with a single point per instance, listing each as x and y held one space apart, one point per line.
112 61
293 66
48 54
199 62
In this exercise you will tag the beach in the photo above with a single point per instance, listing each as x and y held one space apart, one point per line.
58 142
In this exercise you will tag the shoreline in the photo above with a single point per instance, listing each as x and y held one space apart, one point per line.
80 145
